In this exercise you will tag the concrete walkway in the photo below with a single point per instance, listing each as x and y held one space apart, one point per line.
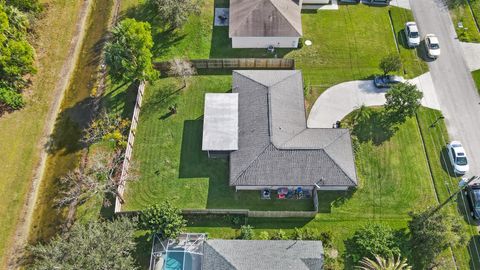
332 6
401 3
471 53
339 100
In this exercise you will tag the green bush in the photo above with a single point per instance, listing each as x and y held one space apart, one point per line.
279 235
246 232
165 220
11 98
264 235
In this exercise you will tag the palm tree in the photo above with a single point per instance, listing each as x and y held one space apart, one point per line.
361 114
380 263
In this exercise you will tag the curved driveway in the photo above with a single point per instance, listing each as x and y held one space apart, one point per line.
339 100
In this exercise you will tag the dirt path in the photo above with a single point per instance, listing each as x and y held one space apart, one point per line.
21 234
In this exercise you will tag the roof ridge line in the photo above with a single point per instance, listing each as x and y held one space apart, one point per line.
251 163
248 14
341 169
220 254
288 21
338 137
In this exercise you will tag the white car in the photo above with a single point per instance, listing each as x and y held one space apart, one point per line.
458 158
432 46
411 33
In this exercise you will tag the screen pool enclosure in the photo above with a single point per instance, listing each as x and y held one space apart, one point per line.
183 253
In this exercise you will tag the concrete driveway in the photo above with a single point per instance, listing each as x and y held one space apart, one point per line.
338 101
454 85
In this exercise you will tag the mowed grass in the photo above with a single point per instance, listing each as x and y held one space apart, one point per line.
435 138
168 150
348 43
462 13
22 130
476 78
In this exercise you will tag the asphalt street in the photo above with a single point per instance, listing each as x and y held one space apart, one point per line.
455 89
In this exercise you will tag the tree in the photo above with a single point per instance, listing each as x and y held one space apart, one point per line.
361 114
403 100
107 127
16 57
380 263
165 220
26 5
182 68
432 233
371 240
128 53
246 232
99 178
96 245
390 63
174 12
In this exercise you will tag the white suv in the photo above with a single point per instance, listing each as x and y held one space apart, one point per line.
411 33
458 158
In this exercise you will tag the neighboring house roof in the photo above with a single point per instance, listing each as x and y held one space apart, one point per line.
275 146
262 254
220 122
265 18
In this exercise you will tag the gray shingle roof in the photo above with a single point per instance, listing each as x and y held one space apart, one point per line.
275 146
265 18
262 254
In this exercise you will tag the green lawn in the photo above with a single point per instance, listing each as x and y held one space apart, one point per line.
435 138
476 78
462 13
172 165
394 175
348 43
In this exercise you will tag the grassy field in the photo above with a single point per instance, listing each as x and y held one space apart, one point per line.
348 43
476 78
22 130
462 13
435 138
172 165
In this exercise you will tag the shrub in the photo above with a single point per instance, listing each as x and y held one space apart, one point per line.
246 232
165 220
279 235
371 240
264 235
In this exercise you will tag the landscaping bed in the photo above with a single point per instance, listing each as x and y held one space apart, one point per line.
464 21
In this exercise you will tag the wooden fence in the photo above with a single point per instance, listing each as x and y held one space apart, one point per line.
236 63
129 149
243 212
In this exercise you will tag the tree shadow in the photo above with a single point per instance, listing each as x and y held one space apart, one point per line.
142 252
445 161
216 220
67 132
378 128
474 244
279 223
465 209
161 100
121 100
164 37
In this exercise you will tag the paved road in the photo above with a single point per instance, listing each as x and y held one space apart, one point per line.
454 85
341 99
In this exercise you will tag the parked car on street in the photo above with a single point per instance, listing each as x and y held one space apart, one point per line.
432 46
458 158
472 192
412 35
377 2
387 81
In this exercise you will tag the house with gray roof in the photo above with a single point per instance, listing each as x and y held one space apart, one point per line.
193 251
275 148
264 23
